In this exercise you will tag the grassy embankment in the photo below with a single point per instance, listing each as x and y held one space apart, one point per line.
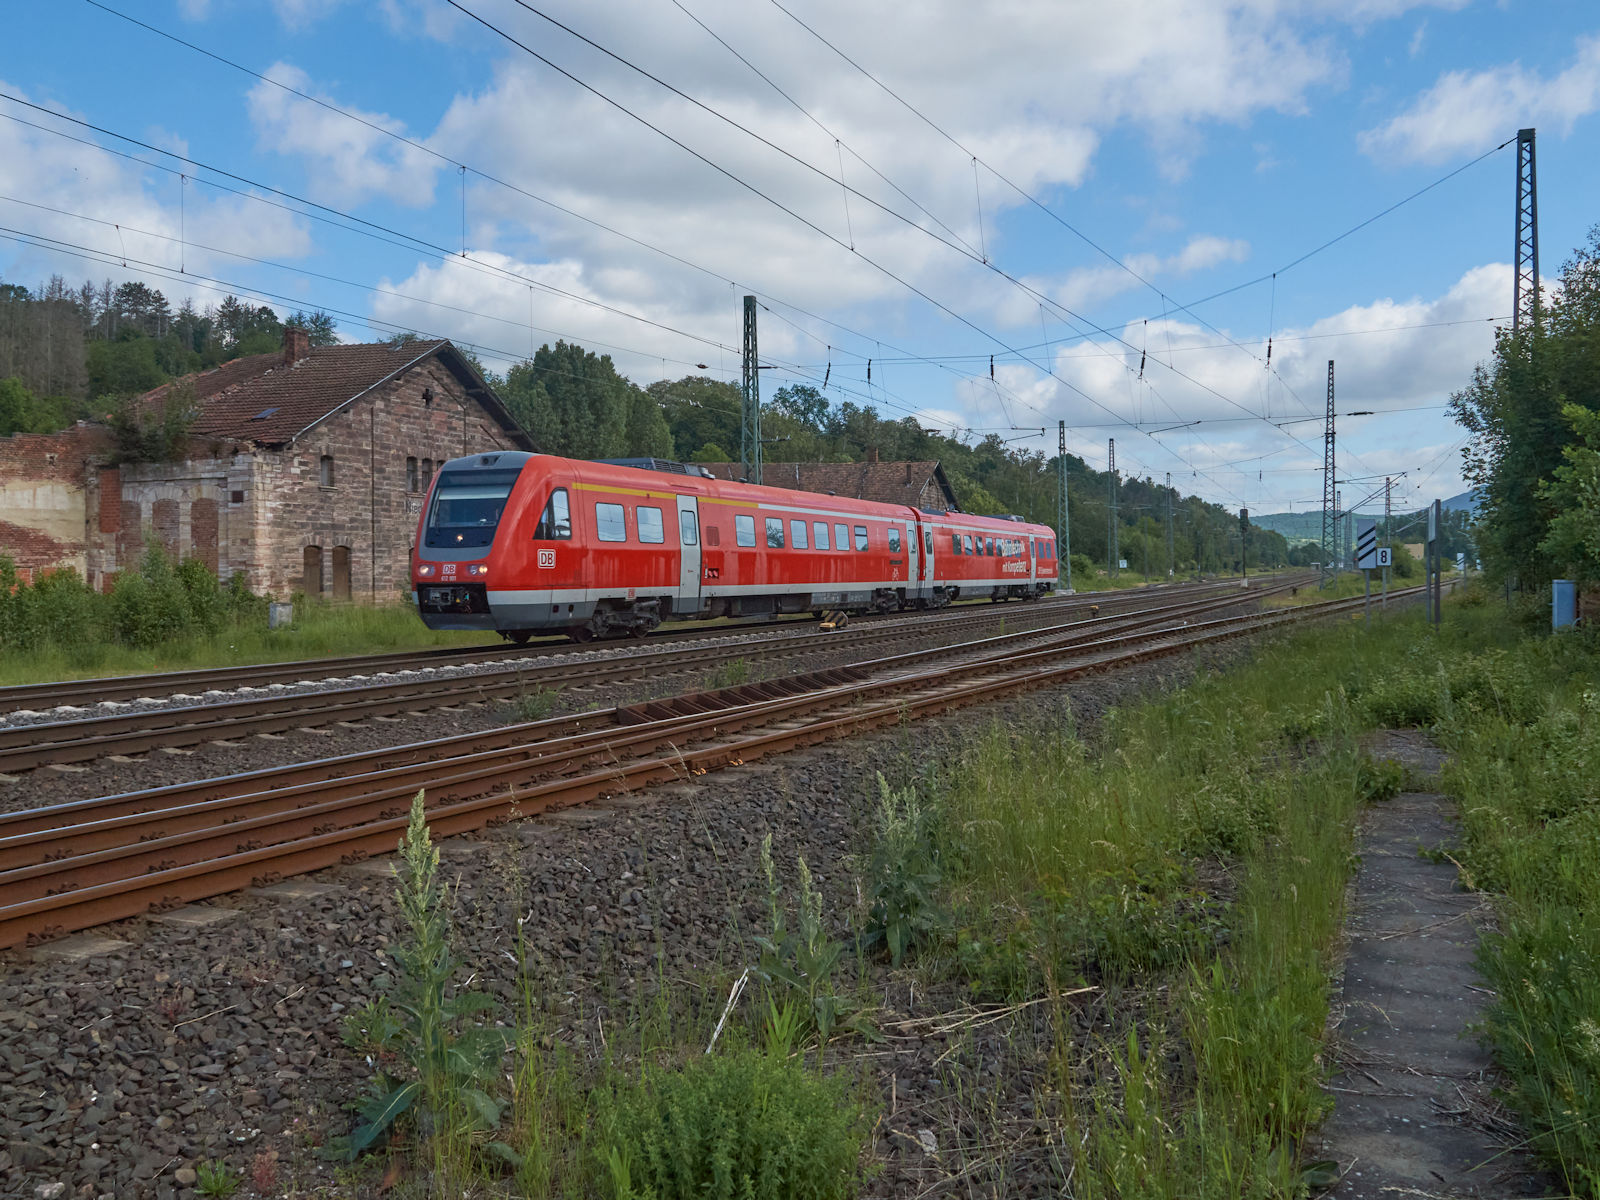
1186 861
319 631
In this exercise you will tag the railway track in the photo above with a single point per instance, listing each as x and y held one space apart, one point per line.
73 866
28 746
125 688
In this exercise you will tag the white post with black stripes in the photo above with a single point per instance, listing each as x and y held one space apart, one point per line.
1367 557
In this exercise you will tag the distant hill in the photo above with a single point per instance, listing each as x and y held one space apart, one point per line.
1307 526
1298 527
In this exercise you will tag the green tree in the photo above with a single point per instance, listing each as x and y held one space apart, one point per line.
154 430
648 433
124 368
1573 543
571 401
1516 411
699 411
318 325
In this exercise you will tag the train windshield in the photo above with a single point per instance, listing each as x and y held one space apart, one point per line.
467 507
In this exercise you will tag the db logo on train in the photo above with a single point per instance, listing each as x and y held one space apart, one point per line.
547 558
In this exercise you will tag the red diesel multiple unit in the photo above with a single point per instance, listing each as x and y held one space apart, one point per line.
529 543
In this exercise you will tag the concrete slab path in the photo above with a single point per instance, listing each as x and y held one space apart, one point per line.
1414 1115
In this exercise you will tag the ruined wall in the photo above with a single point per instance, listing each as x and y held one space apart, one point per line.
49 491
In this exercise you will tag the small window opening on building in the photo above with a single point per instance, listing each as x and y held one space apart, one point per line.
236 497
412 475
326 476
263 414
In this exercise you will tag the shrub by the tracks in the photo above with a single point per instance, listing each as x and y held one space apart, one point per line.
741 1123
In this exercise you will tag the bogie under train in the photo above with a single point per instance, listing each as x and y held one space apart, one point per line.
530 543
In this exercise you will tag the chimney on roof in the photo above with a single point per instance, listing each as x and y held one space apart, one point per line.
872 454
296 344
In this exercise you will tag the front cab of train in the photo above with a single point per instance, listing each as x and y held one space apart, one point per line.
457 559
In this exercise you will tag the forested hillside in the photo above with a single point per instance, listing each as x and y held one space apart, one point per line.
70 353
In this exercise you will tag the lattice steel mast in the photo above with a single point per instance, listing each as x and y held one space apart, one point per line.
1329 504
1064 534
1525 276
750 400
1111 511
1171 568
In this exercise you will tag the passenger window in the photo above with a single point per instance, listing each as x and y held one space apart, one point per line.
861 537
611 525
744 530
955 543
819 530
894 540
555 525
687 533
651 528
775 532
991 547
797 535
927 540
966 542
841 537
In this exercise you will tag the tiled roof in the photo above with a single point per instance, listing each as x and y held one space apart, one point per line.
259 399
883 482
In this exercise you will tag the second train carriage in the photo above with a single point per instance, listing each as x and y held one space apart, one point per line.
525 543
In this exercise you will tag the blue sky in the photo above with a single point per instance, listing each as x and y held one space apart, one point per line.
1198 145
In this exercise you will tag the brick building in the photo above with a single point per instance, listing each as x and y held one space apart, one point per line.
305 471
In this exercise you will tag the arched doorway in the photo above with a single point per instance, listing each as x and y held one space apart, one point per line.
311 571
341 572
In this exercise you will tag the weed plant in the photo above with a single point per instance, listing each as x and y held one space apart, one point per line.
439 1068
730 674
798 958
536 705
903 879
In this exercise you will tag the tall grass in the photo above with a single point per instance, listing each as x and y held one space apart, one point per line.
1191 858
1523 727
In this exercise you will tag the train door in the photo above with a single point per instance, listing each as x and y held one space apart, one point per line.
913 562
688 555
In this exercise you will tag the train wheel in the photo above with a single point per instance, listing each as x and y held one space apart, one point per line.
580 633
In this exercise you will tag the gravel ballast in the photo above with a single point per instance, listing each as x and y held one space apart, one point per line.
180 1042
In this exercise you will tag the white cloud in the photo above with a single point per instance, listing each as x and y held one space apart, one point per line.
1467 111
346 162
119 208
302 14
1390 355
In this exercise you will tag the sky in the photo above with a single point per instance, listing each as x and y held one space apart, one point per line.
1019 213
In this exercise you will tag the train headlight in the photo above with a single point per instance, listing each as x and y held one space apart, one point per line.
478 569
425 570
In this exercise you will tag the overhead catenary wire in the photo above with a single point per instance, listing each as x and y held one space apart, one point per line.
813 316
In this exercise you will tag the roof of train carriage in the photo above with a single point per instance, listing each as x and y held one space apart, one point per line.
752 493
